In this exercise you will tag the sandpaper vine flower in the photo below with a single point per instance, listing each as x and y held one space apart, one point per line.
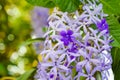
72 44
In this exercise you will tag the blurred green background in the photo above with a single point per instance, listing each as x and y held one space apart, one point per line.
18 56
15 28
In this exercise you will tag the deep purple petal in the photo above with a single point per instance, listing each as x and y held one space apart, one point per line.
72 57
51 75
66 63
99 25
102 25
63 33
103 21
69 32
69 38
63 39
111 41
66 43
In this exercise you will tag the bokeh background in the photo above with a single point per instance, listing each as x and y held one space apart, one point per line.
19 23
21 28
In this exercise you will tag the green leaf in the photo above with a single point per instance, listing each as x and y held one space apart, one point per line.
73 72
115 44
64 5
30 41
111 6
114 28
98 76
116 62
43 3
67 5
26 75
82 78
44 29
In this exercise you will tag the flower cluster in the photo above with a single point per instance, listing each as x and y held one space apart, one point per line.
74 48
39 17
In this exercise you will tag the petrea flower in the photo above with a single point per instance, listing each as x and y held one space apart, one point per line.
73 48
102 25
66 37
72 44
39 16
88 76
92 12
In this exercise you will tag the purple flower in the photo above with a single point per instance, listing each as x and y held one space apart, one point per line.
72 43
51 76
39 16
74 48
66 37
103 25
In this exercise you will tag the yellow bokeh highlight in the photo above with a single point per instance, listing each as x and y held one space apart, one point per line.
7 78
40 57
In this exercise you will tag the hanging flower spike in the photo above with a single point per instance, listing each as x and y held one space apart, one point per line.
80 50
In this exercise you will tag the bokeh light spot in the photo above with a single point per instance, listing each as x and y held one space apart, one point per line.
2 46
22 51
11 37
13 11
